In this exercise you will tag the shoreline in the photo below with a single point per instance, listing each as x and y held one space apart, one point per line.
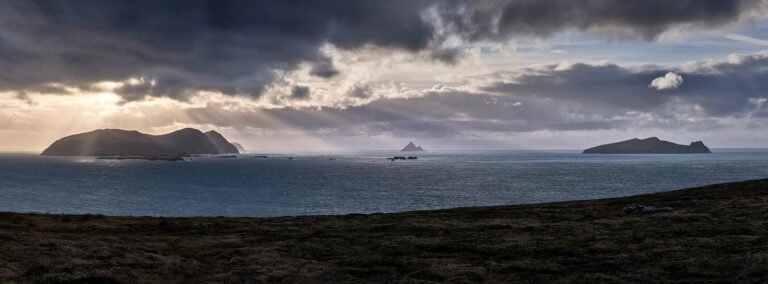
715 232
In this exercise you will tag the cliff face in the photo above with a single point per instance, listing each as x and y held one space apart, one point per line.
116 142
651 145
220 143
239 147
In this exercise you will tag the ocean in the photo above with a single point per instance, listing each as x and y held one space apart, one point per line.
351 182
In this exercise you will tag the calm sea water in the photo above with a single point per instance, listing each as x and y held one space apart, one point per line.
352 182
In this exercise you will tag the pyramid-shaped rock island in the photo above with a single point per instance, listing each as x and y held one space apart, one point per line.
412 148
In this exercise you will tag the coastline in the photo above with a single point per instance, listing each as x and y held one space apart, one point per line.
715 233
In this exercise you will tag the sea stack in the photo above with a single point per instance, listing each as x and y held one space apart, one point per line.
412 148
117 142
651 145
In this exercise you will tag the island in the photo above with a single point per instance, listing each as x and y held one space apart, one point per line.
119 143
651 145
412 148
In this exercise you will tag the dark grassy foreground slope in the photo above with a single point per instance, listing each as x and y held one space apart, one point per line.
716 233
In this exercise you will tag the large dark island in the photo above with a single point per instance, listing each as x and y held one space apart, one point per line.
116 142
651 145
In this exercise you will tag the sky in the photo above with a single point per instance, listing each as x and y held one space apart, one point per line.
332 75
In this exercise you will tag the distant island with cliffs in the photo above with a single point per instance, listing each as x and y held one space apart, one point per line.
117 142
652 145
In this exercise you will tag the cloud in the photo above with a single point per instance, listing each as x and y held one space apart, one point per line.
715 88
564 97
670 81
240 47
433 115
361 92
232 47
747 39
451 116
300 92
648 19
324 69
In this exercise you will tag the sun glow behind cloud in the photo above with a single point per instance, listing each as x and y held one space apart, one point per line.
446 78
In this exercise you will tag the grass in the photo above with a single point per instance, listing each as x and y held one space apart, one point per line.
717 233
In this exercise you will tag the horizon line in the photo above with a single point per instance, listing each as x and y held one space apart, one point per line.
279 151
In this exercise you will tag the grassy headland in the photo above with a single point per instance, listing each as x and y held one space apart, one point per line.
716 233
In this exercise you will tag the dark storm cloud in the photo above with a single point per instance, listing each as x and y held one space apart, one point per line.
324 68
300 92
237 47
718 89
646 19
606 86
227 46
